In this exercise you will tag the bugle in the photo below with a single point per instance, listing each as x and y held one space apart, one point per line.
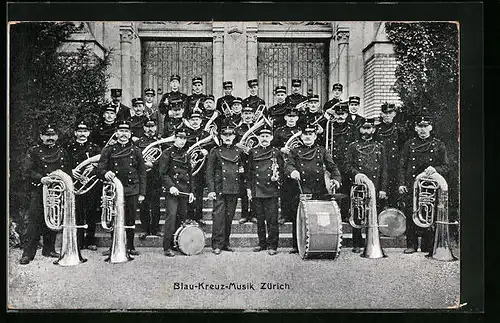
59 213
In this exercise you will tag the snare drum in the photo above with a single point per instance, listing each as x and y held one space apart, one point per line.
189 239
319 229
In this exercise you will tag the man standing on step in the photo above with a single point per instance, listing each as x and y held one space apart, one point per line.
122 111
165 104
366 158
253 100
124 160
337 89
306 164
175 172
224 167
264 167
227 98
196 98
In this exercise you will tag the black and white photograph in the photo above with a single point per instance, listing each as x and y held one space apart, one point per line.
234 165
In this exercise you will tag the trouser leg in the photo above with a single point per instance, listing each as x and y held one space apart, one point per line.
155 210
218 217
169 226
261 221
271 211
230 209
35 224
130 215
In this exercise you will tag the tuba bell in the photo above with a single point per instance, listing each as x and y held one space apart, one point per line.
430 208
196 157
363 208
59 213
113 219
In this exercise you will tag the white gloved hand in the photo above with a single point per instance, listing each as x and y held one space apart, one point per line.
295 175
174 191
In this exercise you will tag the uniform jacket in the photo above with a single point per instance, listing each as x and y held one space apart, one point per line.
171 124
233 121
342 134
226 98
260 171
254 101
294 99
42 160
330 104
122 112
102 133
282 134
207 114
354 120
171 96
137 125
311 163
80 152
191 103
276 114
392 136
128 165
175 169
153 113
369 158
240 130
417 155
224 166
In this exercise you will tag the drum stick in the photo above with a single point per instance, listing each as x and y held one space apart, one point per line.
300 187
184 193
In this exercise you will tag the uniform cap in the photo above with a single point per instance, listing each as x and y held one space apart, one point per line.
209 97
354 99
237 100
252 82
82 126
247 108
337 86
110 108
181 132
309 128
175 77
265 129
195 114
314 97
227 84
423 120
197 80
341 106
291 112
387 107
280 89
116 92
149 91
176 104
296 82
48 130
124 125
150 123
137 101
368 123
227 130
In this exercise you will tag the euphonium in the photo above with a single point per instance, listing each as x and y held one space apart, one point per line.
364 209
294 141
113 219
430 194
210 123
249 138
152 152
59 213
196 157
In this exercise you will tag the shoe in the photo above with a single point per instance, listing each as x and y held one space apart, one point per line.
216 251
227 248
294 250
107 252
92 247
51 254
201 222
143 236
254 220
158 234
243 220
272 252
410 250
356 249
168 253
258 248
24 260
281 221
133 252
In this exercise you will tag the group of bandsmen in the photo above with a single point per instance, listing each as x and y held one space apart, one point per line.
270 176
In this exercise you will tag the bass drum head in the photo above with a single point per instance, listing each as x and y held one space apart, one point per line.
190 239
392 222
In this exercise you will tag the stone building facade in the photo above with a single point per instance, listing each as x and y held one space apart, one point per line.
145 54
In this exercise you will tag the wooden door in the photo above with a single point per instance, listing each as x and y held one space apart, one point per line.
280 62
161 59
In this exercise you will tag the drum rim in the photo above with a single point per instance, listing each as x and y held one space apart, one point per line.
395 210
178 233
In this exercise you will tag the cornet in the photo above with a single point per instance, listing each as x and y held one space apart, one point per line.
302 105
59 213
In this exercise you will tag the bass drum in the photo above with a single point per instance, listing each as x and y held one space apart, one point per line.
319 229
189 239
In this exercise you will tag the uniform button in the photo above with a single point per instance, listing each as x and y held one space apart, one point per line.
375 168
317 179
393 156
393 148
432 150
413 158
301 164
44 165
430 159
268 175
413 167
257 175
412 151
223 170
256 166
413 175
130 164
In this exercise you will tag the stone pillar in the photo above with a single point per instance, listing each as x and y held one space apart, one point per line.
252 52
126 37
332 63
218 58
342 36
235 56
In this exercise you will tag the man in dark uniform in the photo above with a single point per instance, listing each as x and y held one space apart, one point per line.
210 111
41 160
224 167
264 167
194 135
102 134
138 120
313 115
122 111
354 119
175 171
247 210
253 100
392 135
337 89
195 99
150 207
289 190
366 159
151 109
124 160
87 205
341 134
423 153
307 164
165 102
235 118
176 121
277 112
228 97
296 97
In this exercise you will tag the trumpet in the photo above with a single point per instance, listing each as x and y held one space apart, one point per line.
302 105
196 156
228 112
364 208
431 193
152 152
259 112
113 219
59 213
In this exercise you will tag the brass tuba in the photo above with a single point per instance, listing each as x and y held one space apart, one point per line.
364 208
196 157
210 123
113 219
152 152
430 207
250 139
294 141
59 213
